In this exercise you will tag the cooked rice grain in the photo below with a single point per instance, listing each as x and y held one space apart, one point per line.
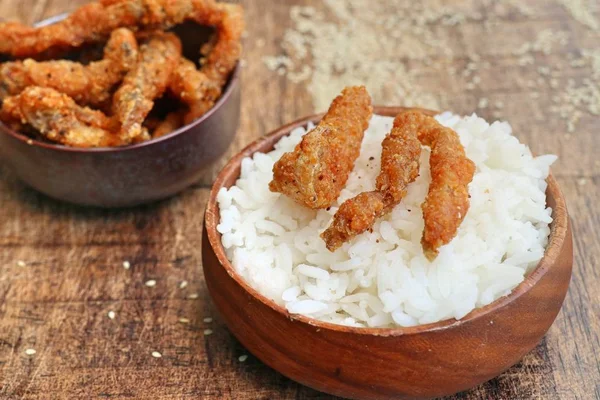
382 278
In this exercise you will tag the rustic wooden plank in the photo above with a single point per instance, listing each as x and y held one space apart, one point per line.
58 303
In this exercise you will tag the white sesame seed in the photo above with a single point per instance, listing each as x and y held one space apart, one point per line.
193 296
126 264
581 181
184 320
30 352
208 320
243 358
151 283
111 314
21 263
208 332
156 354
183 284
30 142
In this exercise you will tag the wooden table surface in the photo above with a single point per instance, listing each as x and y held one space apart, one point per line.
61 267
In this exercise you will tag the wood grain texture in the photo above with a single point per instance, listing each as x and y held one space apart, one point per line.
73 276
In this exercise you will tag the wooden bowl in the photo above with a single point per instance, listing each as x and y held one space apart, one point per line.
371 363
127 176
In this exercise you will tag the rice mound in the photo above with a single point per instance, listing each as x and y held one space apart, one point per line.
381 278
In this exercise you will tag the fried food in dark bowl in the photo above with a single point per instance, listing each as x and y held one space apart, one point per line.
153 154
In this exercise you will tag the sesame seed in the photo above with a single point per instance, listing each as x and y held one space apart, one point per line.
150 283
184 320
243 358
30 352
208 320
126 264
183 284
193 296
208 332
111 314
581 181
156 354
21 263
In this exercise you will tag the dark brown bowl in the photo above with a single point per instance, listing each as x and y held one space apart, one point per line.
127 176
394 363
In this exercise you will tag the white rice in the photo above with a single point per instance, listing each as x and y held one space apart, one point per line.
382 278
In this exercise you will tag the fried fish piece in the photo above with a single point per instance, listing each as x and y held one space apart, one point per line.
318 168
172 122
399 167
87 84
58 118
147 81
94 22
200 89
447 201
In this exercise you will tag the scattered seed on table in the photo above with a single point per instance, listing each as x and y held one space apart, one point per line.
126 264
581 181
208 320
151 283
156 354
243 358
208 332
193 296
183 284
111 314
30 352
184 320
21 263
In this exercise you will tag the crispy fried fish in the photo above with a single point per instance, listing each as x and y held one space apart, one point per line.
172 122
447 201
399 167
318 168
86 84
147 81
59 119
200 89
94 22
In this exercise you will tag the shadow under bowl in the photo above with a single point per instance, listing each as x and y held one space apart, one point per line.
131 175
420 362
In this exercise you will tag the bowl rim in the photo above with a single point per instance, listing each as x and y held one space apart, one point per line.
557 237
233 80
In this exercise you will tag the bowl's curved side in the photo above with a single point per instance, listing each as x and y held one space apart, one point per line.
426 365
434 360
